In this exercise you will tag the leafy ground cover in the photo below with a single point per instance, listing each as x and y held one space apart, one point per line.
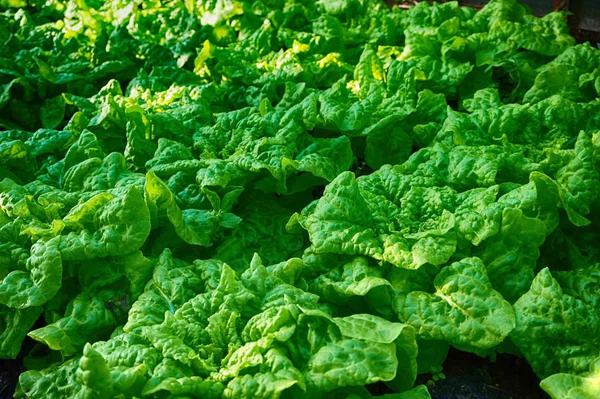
265 199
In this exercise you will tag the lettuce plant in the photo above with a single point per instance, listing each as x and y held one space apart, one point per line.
292 199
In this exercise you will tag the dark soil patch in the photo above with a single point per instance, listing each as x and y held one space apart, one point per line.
9 375
469 376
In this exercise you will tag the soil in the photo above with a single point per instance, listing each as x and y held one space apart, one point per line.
469 376
9 374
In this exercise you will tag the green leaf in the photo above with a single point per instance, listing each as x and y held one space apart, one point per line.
87 319
172 284
94 375
108 224
351 362
42 280
194 226
351 220
375 329
569 386
355 278
52 112
15 324
464 310
555 332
